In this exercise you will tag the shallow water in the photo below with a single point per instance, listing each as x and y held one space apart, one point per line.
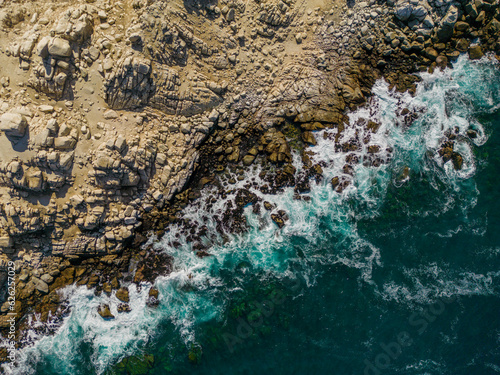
392 276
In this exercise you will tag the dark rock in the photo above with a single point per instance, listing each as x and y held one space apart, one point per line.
471 133
457 160
431 53
153 292
278 220
124 307
462 26
373 126
248 159
403 176
153 300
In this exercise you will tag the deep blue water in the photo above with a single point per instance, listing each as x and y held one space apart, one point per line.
388 277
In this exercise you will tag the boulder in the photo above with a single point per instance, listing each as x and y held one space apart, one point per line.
352 94
5 242
110 115
230 15
278 220
308 137
153 297
335 182
76 200
45 108
34 178
493 27
442 61
248 159
135 39
475 52
457 160
462 45
120 143
47 278
213 116
59 47
410 11
43 139
13 124
42 48
64 143
462 26
53 126
403 11
471 9
40 285
105 312
123 295
446 26
431 53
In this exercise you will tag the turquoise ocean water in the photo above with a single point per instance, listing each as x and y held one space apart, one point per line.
393 276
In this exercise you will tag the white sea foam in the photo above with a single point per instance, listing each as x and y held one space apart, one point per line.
429 283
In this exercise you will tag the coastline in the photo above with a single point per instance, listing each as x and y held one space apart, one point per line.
306 98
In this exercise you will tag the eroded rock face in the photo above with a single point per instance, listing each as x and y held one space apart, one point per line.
170 98
129 85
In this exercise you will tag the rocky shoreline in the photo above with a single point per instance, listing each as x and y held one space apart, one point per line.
115 115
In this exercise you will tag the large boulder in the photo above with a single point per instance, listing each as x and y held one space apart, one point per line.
123 295
475 52
105 312
447 24
407 11
59 47
64 143
13 124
